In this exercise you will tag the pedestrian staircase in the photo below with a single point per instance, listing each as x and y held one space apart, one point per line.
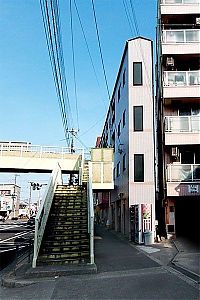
66 238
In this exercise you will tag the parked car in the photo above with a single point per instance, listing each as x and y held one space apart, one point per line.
31 221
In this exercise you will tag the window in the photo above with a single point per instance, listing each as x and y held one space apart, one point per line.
124 118
118 169
119 92
139 167
124 78
124 162
137 73
138 118
119 129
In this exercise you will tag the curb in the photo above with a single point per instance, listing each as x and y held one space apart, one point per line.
187 272
10 281
32 276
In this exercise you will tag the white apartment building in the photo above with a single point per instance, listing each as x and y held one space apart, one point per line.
129 130
178 116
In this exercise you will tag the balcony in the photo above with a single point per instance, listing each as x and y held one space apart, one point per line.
182 130
182 124
181 41
183 173
183 180
181 84
102 168
180 7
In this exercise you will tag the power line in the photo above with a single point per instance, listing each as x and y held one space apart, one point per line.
73 61
134 26
128 16
51 22
100 50
87 46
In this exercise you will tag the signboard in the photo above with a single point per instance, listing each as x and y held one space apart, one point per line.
193 188
5 193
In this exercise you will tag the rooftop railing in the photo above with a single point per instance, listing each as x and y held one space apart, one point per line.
180 1
181 78
181 36
183 172
39 151
182 123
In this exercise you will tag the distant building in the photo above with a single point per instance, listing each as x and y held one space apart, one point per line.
98 142
129 130
9 200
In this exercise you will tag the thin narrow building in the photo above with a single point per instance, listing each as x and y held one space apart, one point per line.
129 130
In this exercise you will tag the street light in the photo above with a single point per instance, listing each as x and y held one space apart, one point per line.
34 186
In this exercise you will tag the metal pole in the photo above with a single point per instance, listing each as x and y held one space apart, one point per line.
29 202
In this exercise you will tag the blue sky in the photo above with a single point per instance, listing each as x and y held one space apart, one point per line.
29 107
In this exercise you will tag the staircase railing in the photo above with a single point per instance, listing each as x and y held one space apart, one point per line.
43 213
90 214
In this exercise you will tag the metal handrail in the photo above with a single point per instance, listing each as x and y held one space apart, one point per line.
43 213
90 214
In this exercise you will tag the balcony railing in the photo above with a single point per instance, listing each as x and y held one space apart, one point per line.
181 78
182 123
180 1
181 172
181 36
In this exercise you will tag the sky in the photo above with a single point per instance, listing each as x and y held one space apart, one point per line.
29 106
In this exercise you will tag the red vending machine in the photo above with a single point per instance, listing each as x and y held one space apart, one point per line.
141 221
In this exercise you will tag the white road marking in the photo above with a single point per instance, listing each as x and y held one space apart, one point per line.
148 249
11 238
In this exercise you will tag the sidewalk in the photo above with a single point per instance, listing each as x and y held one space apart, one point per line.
188 257
113 252
181 254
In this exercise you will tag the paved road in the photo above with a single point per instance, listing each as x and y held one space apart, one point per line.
10 230
124 272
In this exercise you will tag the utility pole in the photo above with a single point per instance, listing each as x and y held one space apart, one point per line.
14 196
73 133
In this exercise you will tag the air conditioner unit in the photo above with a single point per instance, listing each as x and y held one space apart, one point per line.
198 21
170 62
175 151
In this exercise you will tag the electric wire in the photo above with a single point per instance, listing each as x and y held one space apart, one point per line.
87 46
128 16
136 27
52 58
51 22
57 14
54 66
58 57
100 49
73 62
103 66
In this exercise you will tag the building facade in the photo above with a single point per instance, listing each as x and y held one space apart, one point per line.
9 200
178 116
129 130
